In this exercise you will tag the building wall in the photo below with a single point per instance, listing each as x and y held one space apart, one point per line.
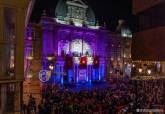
150 36
59 37
118 57
32 62
149 44
114 55
141 5
12 18
103 43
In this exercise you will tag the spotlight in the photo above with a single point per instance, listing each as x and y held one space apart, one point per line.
51 67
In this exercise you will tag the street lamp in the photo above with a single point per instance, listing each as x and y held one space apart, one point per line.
30 58
50 57
51 61
30 74
133 65
140 70
51 67
149 71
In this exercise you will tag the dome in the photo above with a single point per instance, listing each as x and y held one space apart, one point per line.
61 9
91 16
123 29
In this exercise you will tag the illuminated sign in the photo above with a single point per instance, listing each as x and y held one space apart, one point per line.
44 75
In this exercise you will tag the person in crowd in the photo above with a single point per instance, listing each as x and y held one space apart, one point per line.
24 108
123 96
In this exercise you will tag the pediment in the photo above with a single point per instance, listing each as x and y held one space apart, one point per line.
77 3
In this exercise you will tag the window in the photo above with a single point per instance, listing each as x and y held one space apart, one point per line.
7 48
9 23
7 60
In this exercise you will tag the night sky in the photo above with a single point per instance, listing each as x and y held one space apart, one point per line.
109 11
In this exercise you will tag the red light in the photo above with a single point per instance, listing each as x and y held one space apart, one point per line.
83 62
69 63
96 62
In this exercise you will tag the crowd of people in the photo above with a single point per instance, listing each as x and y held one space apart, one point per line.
111 100
150 94
122 96
30 107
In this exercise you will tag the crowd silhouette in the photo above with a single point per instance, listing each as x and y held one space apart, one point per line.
121 97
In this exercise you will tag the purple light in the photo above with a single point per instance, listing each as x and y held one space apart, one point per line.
76 42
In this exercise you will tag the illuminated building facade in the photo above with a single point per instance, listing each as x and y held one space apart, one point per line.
32 62
74 46
119 45
126 38
115 60
12 29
